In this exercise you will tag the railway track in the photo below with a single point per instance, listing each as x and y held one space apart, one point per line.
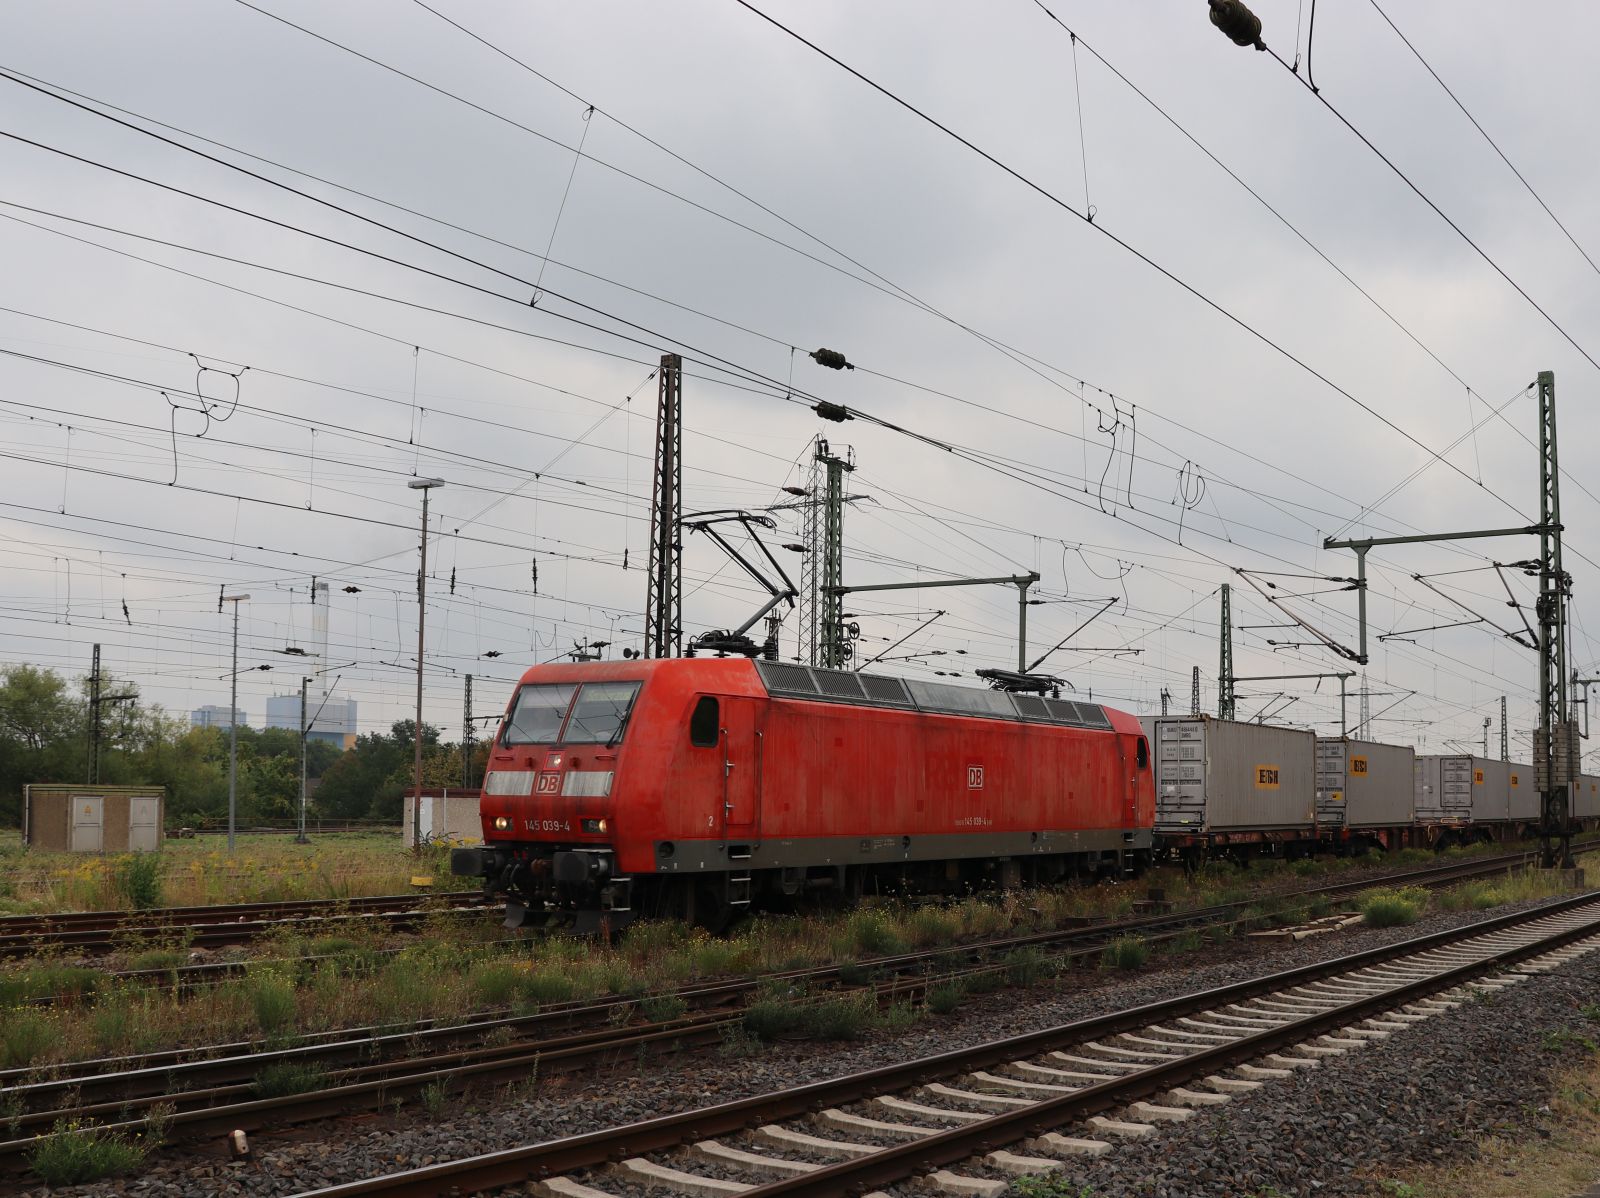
967 1121
35 928
91 932
214 1088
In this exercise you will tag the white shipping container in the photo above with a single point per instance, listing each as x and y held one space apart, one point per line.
1363 784
1586 797
1460 789
1221 776
1525 801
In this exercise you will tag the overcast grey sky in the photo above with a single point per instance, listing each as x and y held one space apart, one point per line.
114 492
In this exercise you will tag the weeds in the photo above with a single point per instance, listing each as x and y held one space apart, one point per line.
272 1001
663 1008
1565 1039
1125 952
25 1037
433 1098
1028 966
75 1152
136 879
946 999
1393 908
282 1078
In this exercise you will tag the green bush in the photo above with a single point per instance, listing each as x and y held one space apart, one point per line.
1025 966
946 999
769 1018
868 933
1389 909
74 1153
547 987
25 1036
272 1001
662 1008
846 1018
495 983
1125 952
137 878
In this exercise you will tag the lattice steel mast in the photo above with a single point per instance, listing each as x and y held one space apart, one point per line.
663 609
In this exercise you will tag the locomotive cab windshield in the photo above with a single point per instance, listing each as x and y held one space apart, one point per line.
546 713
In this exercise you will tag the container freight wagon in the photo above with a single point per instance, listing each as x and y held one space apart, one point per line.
1458 792
1222 782
1363 786
695 787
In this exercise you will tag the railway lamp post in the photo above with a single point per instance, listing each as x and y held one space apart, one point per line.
424 485
233 723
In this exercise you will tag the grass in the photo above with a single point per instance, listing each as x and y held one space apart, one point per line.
1393 908
282 1078
265 868
1125 952
73 1153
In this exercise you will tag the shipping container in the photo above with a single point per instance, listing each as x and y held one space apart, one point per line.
1457 789
61 817
1525 803
1586 797
1363 784
1217 776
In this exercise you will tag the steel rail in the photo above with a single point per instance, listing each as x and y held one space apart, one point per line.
100 939
535 1162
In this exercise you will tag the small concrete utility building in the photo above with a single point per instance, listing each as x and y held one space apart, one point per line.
60 817
448 813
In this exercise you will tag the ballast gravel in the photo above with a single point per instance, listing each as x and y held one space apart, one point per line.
1424 1095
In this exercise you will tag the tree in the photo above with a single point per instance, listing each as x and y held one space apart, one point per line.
41 734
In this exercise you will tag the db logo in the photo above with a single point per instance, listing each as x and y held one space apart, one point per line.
974 777
549 784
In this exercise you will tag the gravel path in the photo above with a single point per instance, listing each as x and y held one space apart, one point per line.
1422 1096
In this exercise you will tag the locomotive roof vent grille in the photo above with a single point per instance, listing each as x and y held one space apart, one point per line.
961 700
839 684
881 688
1092 715
1030 707
792 680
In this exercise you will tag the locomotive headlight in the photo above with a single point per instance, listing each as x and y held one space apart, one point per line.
502 823
594 825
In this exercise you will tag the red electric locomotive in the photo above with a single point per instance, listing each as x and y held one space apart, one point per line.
696 787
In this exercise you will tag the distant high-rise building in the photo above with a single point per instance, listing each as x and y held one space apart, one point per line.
215 715
336 724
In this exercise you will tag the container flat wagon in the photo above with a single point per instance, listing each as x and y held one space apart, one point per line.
1219 782
1365 790
1463 798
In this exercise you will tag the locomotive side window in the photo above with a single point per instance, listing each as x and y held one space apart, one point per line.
536 714
601 712
1142 754
704 723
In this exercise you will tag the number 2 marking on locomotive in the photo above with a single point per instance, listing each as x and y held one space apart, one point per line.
974 777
